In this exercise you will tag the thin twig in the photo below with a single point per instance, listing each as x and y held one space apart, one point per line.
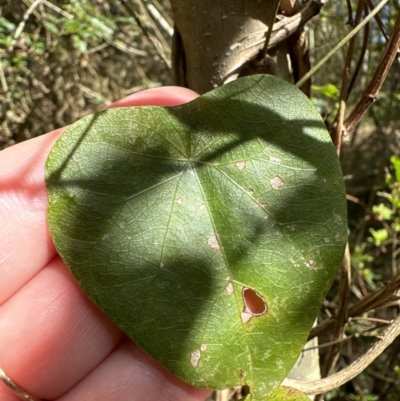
21 25
3 80
338 126
160 19
158 34
341 43
351 371
378 21
360 59
274 7
374 300
58 10
124 5
372 90
350 20
368 319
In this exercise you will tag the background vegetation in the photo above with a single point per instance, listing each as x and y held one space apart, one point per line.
62 59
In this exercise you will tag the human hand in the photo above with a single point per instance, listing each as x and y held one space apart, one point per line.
54 342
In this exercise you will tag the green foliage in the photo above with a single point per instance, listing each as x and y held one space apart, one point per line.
378 236
390 210
365 397
329 102
328 90
287 394
88 24
208 232
360 258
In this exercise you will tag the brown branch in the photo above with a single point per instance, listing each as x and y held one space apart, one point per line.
337 134
378 20
351 371
281 31
371 92
360 58
350 20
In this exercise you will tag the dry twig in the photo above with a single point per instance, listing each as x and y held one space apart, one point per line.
373 300
372 90
351 371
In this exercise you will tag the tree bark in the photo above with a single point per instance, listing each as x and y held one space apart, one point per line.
211 36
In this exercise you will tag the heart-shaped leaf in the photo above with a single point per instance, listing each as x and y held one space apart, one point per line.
208 232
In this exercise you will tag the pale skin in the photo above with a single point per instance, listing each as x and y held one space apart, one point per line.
54 342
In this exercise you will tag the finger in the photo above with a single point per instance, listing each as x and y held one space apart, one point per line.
129 374
51 334
25 242
164 96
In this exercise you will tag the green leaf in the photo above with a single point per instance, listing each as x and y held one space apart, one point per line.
287 394
378 236
329 90
208 232
6 25
395 160
382 211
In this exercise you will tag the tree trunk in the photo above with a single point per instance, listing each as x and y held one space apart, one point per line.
215 41
212 37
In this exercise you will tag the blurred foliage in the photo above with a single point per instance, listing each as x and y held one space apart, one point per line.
68 58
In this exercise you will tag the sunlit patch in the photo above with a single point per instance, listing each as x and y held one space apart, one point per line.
277 182
254 305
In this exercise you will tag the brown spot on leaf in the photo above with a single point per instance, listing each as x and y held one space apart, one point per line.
195 358
229 288
275 160
277 182
246 317
213 243
241 165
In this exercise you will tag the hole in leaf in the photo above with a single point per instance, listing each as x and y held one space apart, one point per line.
254 303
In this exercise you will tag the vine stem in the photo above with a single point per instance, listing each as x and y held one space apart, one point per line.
322 386
341 43
371 92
